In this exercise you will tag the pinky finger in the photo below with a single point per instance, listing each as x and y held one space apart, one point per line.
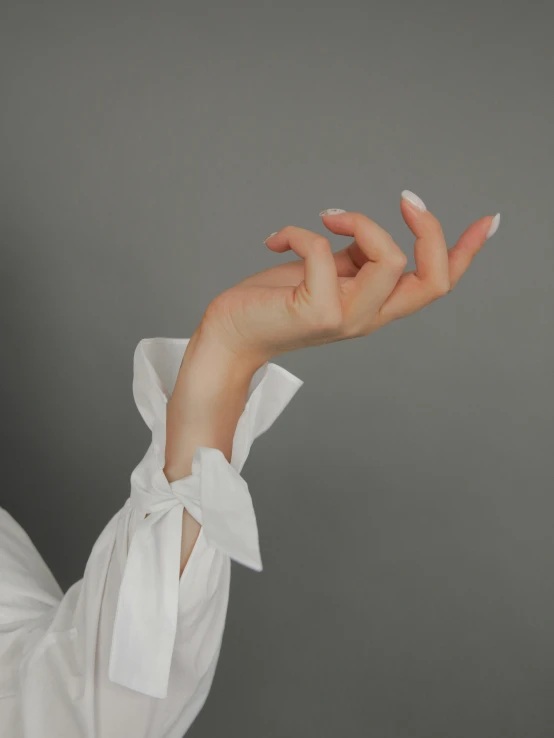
470 242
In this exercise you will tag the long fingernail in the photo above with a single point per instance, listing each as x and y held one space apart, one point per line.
493 226
271 234
332 211
414 200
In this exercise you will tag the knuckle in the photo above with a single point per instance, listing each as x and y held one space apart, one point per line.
358 332
288 231
396 261
440 290
356 328
321 244
363 331
434 227
349 330
401 261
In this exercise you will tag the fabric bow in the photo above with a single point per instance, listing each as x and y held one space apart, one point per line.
215 494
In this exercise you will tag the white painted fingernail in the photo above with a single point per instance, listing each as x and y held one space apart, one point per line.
414 199
332 211
271 234
493 226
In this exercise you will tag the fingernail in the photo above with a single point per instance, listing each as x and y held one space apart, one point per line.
332 211
414 199
493 226
271 234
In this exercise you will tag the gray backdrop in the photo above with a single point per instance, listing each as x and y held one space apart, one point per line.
404 498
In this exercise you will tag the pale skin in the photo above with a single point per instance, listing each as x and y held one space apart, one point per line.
321 297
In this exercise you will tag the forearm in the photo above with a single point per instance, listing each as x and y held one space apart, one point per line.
204 409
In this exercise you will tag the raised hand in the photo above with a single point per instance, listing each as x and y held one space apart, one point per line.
324 297
318 298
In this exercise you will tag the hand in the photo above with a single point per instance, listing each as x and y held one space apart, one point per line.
319 298
324 297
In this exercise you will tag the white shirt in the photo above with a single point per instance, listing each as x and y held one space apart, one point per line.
131 649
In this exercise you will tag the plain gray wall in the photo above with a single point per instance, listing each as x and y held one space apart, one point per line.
404 498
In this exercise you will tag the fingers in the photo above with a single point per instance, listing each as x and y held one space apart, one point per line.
372 243
430 250
438 269
379 261
376 264
470 242
320 271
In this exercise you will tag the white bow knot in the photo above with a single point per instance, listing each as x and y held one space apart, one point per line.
215 495
218 498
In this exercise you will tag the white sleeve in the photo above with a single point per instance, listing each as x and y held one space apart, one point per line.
132 648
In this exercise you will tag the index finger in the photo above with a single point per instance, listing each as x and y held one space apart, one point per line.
320 271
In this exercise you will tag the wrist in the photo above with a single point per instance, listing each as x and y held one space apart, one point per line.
207 401
215 341
210 358
212 377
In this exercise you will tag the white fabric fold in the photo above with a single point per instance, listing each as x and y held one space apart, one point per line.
215 494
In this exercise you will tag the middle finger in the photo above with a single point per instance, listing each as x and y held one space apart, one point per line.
384 260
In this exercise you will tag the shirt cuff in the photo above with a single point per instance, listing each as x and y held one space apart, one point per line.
215 494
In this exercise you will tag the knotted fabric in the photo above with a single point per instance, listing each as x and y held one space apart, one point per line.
215 494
